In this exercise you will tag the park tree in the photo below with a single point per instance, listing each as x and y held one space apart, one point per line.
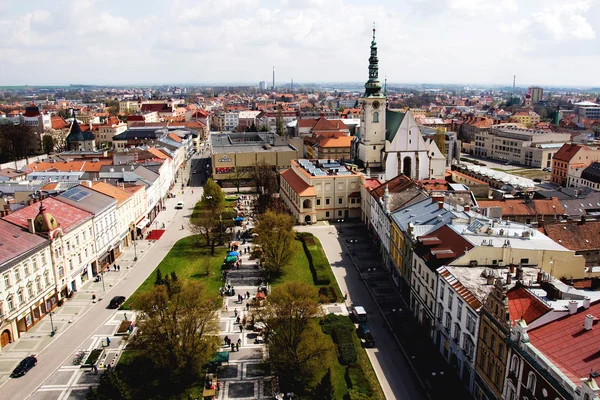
213 196
325 389
110 387
236 177
264 179
440 140
47 144
178 330
16 142
299 351
205 225
276 240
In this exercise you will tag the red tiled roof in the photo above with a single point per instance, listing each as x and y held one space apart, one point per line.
398 184
568 345
519 207
297 184
66 166
58 122
567 152
175 137
442 246
575 236
342 141
524 305
66 215
16 241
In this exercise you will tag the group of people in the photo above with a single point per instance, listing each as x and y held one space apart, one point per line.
243 296
234 346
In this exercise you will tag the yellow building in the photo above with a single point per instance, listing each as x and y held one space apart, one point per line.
527 118
317 190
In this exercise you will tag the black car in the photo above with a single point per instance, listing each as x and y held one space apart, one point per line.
25 365
116 302
365 335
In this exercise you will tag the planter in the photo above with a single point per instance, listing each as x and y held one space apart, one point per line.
93 358
125 328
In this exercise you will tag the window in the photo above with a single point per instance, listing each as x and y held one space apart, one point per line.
456 335
493 342
79 257
326 214
375 116
43 258
77 240
340 200
501 351
450 295
440 311
327 201
459 307
20 296
30 289
471 323
6 281
442 289
531 382
318 202
17 275
469 347
47 277
485 334
61 271
38 284
11 303
83 235
514 364
448 321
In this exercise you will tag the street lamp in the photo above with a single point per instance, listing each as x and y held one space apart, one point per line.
52 324
352 242
340 222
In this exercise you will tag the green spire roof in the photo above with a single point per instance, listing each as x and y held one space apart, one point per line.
373 86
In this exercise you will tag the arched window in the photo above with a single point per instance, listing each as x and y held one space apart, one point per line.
407 166
11 303
20 296
375 116
30 289
485 333
531 382
514 364
38 284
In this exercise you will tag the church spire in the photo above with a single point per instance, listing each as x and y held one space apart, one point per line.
373 86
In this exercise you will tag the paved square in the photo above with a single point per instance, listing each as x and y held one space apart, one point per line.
60 378
228 372
25 344
238 390
88 377
71 310
78 394
254 370
246 354
107 330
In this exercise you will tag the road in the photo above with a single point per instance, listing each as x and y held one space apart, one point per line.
392 370
70 340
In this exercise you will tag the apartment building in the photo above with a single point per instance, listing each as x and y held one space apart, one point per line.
570 159
27 284
525 117
317 190
511 144
587 109
588 177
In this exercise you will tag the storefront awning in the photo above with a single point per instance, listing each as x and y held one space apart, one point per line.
142 224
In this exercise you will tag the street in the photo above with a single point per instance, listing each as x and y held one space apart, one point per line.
75 334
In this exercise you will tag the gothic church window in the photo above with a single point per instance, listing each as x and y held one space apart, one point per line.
375 116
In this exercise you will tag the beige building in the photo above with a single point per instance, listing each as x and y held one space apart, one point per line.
317 190
519 146
242 150
107 132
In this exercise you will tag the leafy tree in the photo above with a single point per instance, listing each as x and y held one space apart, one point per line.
48 144
213 196
205 225
276 240
16 142
440 140
236 177
325 389
264 179
111 387
298 349
279 124
178 329
264 128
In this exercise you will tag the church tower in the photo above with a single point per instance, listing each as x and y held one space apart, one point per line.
372 115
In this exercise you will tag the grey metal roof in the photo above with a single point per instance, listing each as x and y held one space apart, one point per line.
87 199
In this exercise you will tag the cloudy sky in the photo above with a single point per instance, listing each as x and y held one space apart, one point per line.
543 42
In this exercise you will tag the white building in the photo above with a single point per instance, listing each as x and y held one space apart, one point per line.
27 285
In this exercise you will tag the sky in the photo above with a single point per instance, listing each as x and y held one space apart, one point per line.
61 42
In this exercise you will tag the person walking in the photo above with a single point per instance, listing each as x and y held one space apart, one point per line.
232 347
107 341
226 339
241 328
237 346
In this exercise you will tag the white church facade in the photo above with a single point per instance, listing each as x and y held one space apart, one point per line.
391 140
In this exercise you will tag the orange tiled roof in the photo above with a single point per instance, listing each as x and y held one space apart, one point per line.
567 152
575 236
519 207
175 137
158 153
524 305
58 122
342 141
298 184
66 166
112 191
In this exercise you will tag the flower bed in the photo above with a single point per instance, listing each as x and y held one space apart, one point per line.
124 328
93 358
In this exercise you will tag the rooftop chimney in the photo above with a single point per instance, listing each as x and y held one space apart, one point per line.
586 302
572 307
437 198
440 205
588 322
466 208
519 273
508 278
30 225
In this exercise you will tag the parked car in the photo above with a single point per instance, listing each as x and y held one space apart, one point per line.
24 366
358 314
365 335
179 205
116 302
537 180
547 169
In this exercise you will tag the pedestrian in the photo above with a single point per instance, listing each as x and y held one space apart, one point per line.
125 316
248 306
109 367
119 268
235 312
103 345
107 341
241 328
232 347
226 308
248 294
131 306
237 319
242 276
243 321
115 267
226 339
237 347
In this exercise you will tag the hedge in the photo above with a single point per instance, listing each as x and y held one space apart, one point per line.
346 347
317 260
357 380
332 322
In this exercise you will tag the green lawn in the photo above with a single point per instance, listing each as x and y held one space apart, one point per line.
188 261
299 269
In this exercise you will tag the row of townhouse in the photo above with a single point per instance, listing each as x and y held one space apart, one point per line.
475 285
52 246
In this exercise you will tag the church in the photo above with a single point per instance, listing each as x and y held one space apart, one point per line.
390 140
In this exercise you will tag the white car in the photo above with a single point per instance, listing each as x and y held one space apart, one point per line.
179 205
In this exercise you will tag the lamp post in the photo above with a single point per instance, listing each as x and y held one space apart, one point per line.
135 249
102 279
52 332
340 222
352 242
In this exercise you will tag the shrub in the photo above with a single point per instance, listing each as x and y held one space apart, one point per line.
357 380
332 322
316 259
347 349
